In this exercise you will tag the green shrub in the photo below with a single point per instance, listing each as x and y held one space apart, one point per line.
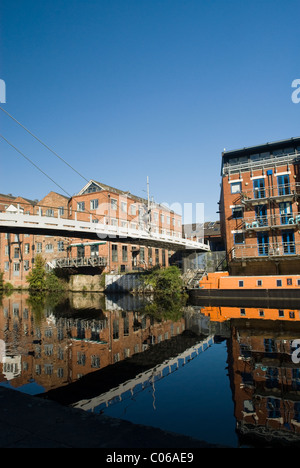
168 280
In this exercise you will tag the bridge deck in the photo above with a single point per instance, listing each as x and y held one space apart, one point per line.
19 223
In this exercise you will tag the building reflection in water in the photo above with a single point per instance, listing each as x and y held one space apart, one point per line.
87 335
265 381
78 337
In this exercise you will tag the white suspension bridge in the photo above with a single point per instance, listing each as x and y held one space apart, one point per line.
17 222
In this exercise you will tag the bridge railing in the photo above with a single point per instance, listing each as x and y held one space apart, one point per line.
17 220
79 262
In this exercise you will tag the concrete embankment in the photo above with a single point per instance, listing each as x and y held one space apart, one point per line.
31 422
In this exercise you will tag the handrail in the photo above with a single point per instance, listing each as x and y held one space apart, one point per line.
80 262
261 250
266 162
280 220
262 193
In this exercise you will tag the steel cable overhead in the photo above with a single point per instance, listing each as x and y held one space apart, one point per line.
44 144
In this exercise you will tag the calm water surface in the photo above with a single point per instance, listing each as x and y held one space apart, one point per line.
225 375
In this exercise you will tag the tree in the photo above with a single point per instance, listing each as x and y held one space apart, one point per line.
37 276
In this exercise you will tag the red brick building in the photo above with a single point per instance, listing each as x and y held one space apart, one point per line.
259 208
100 203
17 252
97 203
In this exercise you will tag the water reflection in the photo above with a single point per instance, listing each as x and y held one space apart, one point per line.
80 335
95 352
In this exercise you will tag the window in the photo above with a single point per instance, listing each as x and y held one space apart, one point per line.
39 247
114 222
61 211
116 329
162 218
60 246
114 204
49 248
283 185
243 312
27 248
239 238
6 266
124 253
124 207
286 213
114 253
288 240
259 283
133 210
261 313
263 243
95 362
81 358
259 188
150 256
292 314
142 254
279 283
241 284
298 282
16 269
26 265
236 187
289 282
261 213
94 204
281 313
237 212
80 206
50 212
16 252
94 250
156 256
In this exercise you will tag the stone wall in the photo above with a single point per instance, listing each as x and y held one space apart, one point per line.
87 283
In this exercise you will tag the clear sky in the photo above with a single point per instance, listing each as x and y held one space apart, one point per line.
125 89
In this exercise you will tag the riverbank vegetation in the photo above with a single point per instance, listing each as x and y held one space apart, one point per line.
39 280
166 280
167 288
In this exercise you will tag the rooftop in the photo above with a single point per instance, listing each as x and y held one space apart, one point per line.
265 147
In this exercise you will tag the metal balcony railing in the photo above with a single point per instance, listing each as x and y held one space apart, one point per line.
253 165
78 262
271 221
265 250
274 192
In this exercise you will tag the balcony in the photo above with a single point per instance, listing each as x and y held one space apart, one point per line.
263 195
265 251
79 262
277 221
265 163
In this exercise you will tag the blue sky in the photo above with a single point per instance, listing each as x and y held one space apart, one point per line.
125 89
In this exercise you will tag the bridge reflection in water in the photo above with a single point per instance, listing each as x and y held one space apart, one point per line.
96 352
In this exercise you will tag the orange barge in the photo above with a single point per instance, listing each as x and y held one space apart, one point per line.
222 285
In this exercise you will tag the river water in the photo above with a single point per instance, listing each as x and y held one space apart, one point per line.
222 374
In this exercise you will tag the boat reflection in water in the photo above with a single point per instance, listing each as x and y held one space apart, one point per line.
96 352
